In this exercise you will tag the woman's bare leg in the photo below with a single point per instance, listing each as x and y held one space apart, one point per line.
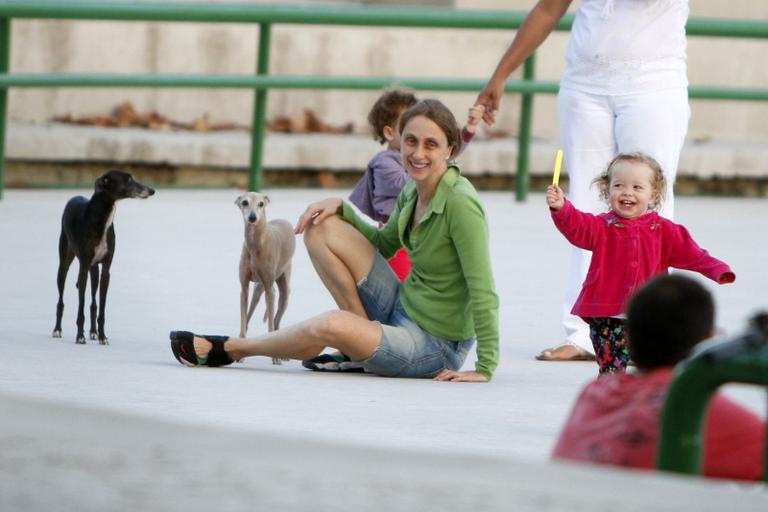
342 256
354 336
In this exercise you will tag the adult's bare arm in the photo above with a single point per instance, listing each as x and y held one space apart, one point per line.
539 23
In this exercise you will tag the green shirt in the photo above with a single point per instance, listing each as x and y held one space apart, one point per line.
450 291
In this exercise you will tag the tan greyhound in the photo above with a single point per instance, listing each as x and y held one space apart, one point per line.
266 260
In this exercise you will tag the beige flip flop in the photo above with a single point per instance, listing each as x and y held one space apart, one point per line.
565 353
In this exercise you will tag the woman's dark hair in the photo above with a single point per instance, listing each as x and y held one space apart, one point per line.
666 318
387 110
439 114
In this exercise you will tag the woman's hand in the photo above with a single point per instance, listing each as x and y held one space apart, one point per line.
454 376
490 98
316 213
555 197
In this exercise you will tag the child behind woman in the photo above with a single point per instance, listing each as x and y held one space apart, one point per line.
376 192
630 244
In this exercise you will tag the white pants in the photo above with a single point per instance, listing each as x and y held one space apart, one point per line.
593 130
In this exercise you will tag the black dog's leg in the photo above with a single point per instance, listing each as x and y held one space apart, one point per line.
65 260
94 286
82 281
105 266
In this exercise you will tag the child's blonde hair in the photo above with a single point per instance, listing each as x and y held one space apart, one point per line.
387 110
658 181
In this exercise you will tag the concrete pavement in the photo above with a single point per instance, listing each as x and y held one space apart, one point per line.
126 427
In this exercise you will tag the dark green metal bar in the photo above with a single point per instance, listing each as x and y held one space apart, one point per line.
324 82
327 15
524 139
248 13
722 27
682 419
727 93
5 51
259 109
260 81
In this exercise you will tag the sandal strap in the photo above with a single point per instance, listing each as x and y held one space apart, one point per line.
217 356
182 344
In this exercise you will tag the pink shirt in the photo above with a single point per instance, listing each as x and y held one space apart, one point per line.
626 253
615 421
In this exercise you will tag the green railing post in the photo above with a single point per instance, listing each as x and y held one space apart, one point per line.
743 360
5 52
524 139
259 109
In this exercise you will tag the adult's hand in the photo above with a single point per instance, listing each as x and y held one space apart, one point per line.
316 213
490 99
454 376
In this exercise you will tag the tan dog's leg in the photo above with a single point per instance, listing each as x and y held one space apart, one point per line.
258 289
245 281
284 291
269 298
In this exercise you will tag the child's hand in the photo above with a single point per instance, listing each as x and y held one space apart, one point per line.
475 116
555 197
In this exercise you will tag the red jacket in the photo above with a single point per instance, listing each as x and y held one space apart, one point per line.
626 253
615 421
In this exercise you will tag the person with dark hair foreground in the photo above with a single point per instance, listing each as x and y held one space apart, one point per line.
615 419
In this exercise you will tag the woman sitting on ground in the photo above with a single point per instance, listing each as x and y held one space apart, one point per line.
423 327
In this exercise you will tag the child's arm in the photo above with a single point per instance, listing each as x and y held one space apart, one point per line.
555 197
685 253
470 128
389 177
580 228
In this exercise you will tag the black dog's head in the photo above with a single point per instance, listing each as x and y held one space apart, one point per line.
121 185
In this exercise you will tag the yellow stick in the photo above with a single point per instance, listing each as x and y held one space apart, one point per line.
558 163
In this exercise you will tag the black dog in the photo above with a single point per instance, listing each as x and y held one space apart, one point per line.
88 233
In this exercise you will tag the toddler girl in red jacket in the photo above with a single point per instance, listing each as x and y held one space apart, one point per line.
630 244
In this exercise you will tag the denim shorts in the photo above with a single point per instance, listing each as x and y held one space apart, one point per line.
405 350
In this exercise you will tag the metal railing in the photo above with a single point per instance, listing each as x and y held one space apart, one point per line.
744 359
267 15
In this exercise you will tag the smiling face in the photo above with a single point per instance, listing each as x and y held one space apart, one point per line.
631 192
425 150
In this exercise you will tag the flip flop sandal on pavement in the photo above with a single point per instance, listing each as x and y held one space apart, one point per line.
556 354
182 345
332 363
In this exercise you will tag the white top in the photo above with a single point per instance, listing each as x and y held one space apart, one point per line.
627 46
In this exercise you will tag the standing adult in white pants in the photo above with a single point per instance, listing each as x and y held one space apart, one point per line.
624 90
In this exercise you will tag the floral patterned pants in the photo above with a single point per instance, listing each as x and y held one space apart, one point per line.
610 344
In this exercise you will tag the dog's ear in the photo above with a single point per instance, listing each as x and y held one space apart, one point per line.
266 200
102 183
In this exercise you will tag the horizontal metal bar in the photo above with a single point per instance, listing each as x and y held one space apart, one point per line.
328 15
323 82
260 82
724 27
250 13
727 93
